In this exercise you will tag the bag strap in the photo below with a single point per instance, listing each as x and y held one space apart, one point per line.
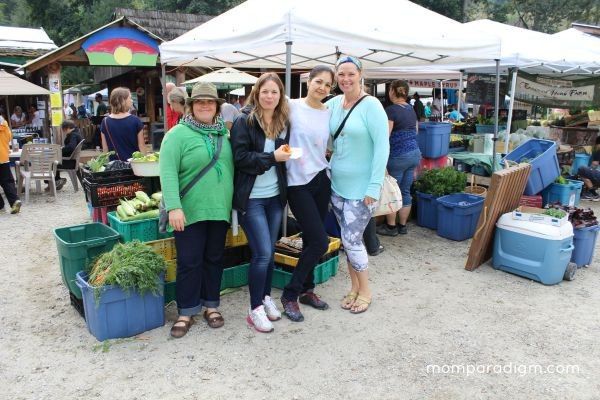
110 137
339 129
204 170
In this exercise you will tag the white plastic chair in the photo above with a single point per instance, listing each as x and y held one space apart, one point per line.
38 162
73 171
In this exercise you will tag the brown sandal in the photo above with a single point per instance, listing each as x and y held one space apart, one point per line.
180 331
214 322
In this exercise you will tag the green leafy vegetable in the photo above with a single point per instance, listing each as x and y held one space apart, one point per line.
554 213
97 164
441 181
561 180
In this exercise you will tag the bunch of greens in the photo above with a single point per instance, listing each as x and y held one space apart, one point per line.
554 213
98 164
132 266
442 181
138 156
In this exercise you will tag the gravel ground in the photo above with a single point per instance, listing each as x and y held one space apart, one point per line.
427 311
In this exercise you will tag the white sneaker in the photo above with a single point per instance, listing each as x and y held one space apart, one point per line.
271 309
258 319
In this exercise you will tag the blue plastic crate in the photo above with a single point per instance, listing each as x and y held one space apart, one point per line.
567 194
584 240
434 139
581 160
427 210
541 154
119 314
457 215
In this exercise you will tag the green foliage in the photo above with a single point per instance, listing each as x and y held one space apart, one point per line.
132 266
441 181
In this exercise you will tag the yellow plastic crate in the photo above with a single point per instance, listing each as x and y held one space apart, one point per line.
164 247
334 245
171 273
234 241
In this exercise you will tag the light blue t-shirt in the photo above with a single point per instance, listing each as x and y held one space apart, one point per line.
266 185
361 151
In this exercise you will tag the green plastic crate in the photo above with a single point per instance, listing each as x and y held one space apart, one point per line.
78 245
232 277
322 273
144 230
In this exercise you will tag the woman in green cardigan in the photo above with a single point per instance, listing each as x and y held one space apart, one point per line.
201 218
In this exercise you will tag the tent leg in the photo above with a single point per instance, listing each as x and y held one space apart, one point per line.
513 86
496 106
164 96
288 93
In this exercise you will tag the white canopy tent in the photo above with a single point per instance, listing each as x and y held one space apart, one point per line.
226 75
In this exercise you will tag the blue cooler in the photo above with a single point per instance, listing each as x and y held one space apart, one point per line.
533 250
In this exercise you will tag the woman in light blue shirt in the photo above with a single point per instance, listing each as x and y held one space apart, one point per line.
360 153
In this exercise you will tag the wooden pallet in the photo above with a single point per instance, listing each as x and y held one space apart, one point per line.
503 196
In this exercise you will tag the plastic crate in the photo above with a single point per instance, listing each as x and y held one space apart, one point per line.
584 240
170 291
108 194
144 230
431 163
238 240
458 215
567 194
115 176
77 304
238 255
581 160
322 273
164 247
171 272
434 138
235 276
78 245
541 154
427 210
291 259
120 314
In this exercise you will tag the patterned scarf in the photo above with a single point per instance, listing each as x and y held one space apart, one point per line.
207 133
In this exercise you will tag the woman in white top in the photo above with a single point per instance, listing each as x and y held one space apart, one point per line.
309 188
18 119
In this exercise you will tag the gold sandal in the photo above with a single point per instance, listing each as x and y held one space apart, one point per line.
360 302
348 300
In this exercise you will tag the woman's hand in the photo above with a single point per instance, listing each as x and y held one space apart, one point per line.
177 219
369 200
281 154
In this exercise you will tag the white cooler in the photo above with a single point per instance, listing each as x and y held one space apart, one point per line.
534 250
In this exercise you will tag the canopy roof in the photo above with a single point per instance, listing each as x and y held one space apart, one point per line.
13 85
226 76
254 34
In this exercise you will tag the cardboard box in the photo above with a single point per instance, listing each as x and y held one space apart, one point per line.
533 214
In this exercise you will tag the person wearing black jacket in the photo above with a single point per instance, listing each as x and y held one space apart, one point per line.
260 183
72 139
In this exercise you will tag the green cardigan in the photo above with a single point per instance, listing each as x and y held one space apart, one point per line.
183 154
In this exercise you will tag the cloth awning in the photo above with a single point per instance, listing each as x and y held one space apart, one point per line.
12 85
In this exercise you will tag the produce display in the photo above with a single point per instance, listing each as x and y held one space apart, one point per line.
99 163
554 213
561 180
140 207
140 157
579 217
441 181
132 266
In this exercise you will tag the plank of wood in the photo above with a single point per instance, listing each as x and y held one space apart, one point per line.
503 196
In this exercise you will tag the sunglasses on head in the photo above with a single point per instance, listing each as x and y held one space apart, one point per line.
351 59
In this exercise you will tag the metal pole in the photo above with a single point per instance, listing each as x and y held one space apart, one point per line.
513 86
288 93
496 106
459 101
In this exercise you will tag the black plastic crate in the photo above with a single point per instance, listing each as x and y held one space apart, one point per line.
108 194
115 176
77 304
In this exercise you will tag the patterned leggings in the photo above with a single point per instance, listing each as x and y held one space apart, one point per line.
353 217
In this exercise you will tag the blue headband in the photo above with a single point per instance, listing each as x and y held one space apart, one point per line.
350 59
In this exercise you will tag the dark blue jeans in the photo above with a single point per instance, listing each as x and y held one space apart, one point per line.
200 249
309 204
403 169
261 223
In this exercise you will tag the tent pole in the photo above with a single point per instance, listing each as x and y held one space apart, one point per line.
459 101
288 93
164 96
496 106
513 86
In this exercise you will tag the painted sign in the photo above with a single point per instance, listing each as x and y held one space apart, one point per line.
535 91
121 46
431 84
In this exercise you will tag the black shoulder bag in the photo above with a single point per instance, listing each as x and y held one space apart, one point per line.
339 129
163 215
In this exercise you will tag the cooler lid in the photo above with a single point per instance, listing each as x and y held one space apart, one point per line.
535 229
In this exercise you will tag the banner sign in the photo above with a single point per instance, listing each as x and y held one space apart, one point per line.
431 84
558 93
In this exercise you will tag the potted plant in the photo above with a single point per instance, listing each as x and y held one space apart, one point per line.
432 184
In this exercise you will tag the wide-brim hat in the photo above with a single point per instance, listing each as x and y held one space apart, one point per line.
204 90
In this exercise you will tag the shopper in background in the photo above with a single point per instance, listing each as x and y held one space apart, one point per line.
405 155
72 138
7 181
228 114
201 218
591 176
418 107
358 163
309 188
35 121
18 119
121 131
101 109
257 138
176 100
436 106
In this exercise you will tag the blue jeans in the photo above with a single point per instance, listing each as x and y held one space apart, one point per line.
261 224
403 168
